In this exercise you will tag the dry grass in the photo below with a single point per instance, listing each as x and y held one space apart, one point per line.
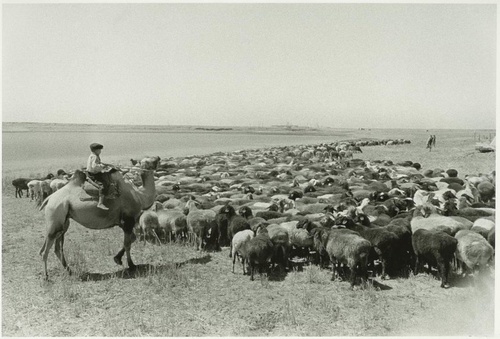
180 292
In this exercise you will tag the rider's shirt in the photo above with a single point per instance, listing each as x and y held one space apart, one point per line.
94 164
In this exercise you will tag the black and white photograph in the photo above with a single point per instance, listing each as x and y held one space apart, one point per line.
249 169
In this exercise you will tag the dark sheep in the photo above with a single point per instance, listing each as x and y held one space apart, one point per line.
295 195
452 173
383 241
347 247
236 223
257 252
320 237
255 222
222 221
21 184
162 198
209 236
486 191
248 189
453 180
267 215
309 189
435 248
245 212
281 243
403 251
328 181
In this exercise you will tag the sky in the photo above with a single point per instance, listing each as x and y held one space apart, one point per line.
318 65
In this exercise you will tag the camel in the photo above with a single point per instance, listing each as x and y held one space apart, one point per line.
71 201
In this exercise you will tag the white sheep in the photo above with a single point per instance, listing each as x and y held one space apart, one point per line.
172 221
473 250
197 219
34 189
238 240
148 223
58 184
39 189
426 217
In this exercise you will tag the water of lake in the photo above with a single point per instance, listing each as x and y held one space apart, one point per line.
22 149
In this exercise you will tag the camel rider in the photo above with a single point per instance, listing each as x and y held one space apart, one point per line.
98 172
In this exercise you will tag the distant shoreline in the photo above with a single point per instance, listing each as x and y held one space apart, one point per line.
23 127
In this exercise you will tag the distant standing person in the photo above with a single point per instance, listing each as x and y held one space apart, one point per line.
434 140
429 143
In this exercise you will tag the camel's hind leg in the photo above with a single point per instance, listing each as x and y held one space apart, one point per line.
44 251
59 247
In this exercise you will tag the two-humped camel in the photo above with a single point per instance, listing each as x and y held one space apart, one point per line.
71 201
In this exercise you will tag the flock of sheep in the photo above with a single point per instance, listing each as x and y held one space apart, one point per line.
282 206
39 189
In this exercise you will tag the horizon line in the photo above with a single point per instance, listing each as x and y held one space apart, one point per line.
236 126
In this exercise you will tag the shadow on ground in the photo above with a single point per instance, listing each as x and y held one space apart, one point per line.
378 286
143 270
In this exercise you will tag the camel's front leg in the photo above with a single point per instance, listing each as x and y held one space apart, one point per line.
118 257
128 238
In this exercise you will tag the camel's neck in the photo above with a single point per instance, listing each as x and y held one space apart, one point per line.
147 191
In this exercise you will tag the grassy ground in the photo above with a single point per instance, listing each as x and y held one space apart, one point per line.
180 292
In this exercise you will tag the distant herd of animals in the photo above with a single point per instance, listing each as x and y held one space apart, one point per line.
278 207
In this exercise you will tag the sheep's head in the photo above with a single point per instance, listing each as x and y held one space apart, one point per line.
248 189
273 207
449 207
464 201
245 211
329 208
329 181
261 229
309 189
427 209
295 195
228 209
328 220
363 219
343 220
448 195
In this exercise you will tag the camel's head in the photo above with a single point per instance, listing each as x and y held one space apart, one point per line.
150 163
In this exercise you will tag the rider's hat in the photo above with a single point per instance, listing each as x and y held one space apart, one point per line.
95 146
